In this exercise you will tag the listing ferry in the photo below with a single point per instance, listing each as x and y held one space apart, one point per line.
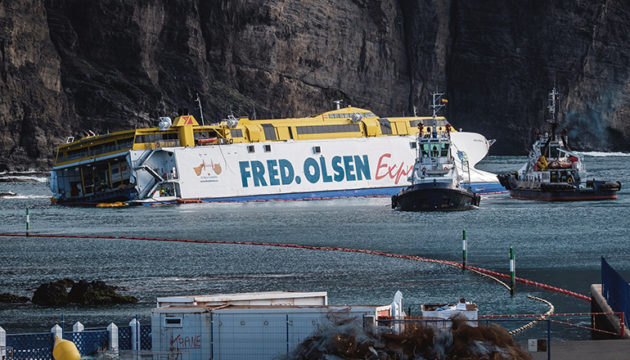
555 173
347 152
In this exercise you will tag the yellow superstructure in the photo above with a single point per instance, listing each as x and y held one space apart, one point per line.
347 122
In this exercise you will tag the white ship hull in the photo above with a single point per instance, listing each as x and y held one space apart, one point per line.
292 170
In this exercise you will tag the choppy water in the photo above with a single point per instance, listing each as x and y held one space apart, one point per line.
555 243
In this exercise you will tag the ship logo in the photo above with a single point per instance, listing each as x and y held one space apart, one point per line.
187 120
216 168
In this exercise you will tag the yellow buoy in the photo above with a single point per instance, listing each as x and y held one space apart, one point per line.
65 350
114 204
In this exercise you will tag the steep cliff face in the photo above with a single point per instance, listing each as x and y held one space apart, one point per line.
507 56
68 66
33 107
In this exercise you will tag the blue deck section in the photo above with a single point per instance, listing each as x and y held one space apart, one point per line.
480 188
110 196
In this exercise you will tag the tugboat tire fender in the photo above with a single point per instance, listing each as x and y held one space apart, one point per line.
557 187
611 185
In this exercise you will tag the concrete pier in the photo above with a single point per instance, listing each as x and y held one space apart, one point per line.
586 350
604 322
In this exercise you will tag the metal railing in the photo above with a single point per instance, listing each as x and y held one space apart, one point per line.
34 346
90 341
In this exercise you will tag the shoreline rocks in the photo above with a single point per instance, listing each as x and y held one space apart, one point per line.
82 293
7 298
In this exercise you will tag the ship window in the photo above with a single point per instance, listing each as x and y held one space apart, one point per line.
317 149
236 133
205 135
150 138
323 129
347 115
124 143
270 131
267 148
386 127
76 154
250 148
96 149
412 145
444 150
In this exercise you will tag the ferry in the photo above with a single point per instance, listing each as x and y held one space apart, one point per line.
346 152
555 173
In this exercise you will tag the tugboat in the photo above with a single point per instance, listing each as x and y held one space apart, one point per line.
435 180
554 172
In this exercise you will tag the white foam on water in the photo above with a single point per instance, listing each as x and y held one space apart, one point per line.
18 196
602 153
22 172
23 178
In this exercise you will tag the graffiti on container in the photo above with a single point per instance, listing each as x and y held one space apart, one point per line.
186 342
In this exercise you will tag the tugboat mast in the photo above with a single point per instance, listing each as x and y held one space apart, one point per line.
553 95
438 103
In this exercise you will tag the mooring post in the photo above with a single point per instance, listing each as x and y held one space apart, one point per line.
463 250
112 329
512 277
77 336
3 343
56 330
548 339
28 222
134 334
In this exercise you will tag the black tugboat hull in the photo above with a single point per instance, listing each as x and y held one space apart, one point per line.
434 197
595 190
578 195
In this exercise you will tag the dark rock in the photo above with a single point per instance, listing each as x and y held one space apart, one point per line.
7 298
97 293
82 293
66 282
51 294
74 65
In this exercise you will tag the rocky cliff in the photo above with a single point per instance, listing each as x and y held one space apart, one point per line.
68 66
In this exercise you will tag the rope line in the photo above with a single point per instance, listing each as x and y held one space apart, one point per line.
320 248
542 317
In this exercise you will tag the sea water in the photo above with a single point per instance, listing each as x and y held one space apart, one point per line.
555 243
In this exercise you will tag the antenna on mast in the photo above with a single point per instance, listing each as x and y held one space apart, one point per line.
438 103
553 96
338 103
200 108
